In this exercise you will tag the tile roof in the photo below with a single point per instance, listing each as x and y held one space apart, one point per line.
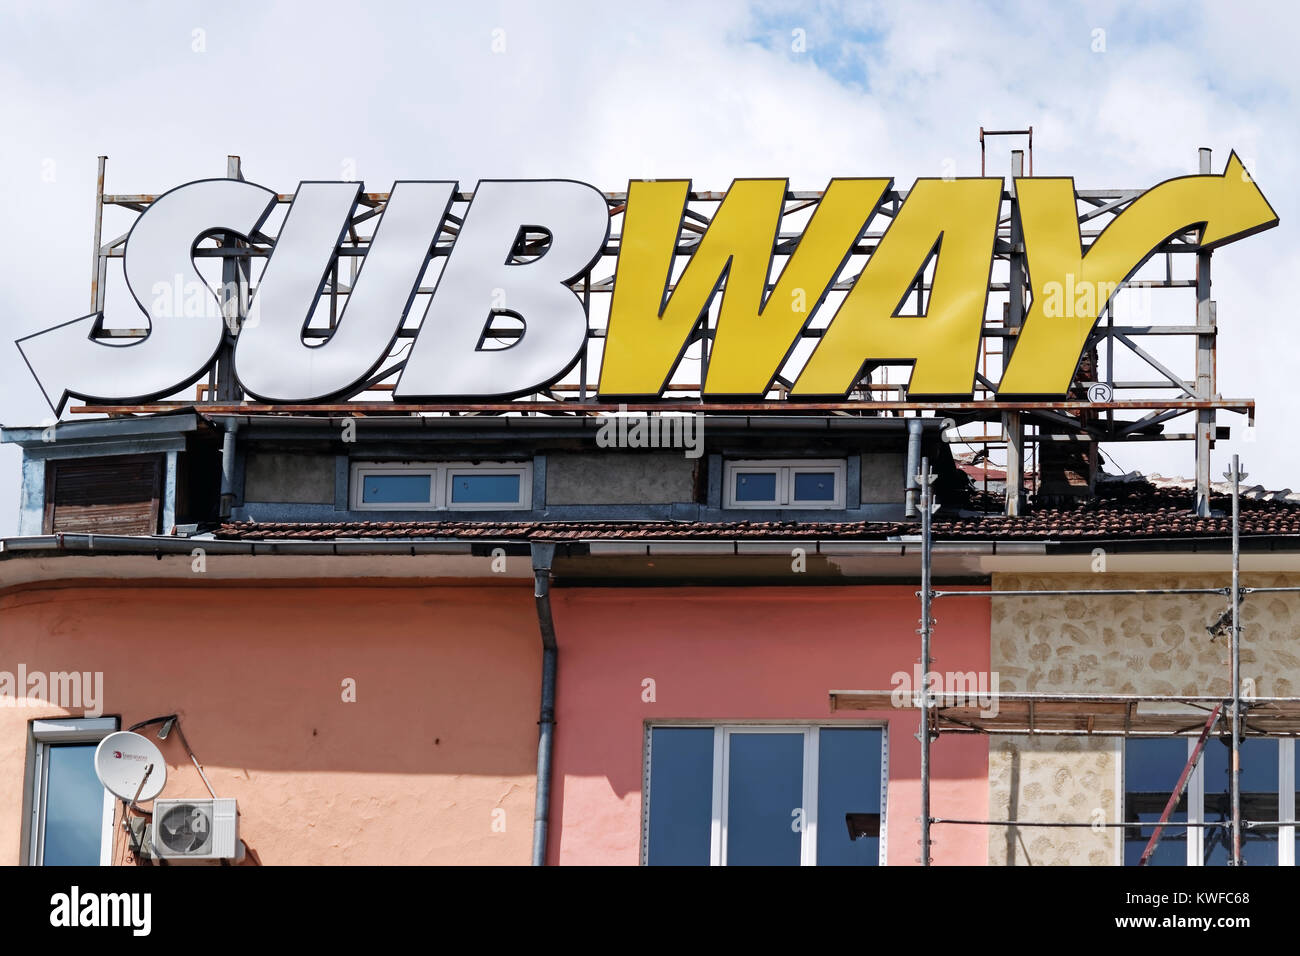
1124 508
567 530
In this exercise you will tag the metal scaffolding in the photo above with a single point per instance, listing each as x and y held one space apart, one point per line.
1102 406
1091 715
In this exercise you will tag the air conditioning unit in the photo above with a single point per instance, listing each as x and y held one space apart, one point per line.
205 829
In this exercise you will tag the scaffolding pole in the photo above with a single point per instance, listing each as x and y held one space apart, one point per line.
1235 476
1077 592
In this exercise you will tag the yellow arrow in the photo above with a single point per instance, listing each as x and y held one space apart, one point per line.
1071 289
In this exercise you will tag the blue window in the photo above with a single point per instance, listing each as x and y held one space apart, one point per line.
394 489
849 773
1259 801
71 819
1152 768
795 483
757 795
756 486
764 797
468 487
681 812
441 486
814 486
74 807
1151 771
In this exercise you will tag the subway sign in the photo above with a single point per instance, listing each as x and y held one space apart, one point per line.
655 309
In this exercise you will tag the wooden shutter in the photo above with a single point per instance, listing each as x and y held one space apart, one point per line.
116 494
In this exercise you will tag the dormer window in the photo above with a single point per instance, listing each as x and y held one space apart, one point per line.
442 486
795 484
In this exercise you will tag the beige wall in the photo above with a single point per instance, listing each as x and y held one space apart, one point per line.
442 735
1112 644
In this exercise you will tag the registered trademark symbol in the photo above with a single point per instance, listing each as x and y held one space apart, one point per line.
1099 392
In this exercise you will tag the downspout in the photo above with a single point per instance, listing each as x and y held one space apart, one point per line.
914 426
542 556
231 427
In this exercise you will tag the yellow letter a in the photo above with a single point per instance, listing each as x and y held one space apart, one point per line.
962 215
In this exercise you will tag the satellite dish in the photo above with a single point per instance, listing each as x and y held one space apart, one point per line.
121 760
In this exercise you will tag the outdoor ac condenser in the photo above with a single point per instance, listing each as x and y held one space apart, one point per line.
206 829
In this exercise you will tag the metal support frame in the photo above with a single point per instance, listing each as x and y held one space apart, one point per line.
234 306
1014 428
1013 425
1155 401
987 133
1205 361
99 263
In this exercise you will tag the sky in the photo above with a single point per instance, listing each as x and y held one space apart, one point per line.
1119 95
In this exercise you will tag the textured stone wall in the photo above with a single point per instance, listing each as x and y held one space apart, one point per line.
1142 644
289 478
1057 779
599 478
884 477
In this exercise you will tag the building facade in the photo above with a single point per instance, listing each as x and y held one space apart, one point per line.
610 653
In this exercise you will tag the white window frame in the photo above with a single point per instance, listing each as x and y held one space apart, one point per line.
52 732
722 734
523 469
1286 783
785 470
440 474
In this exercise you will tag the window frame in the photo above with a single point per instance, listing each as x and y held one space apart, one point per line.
440 478
524 470
42 734
786 469
1286 784
722 733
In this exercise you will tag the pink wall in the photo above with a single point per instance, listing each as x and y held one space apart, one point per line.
753 653
442 734
444 730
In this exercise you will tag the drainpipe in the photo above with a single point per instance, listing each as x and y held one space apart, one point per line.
542 556
228 467
914 426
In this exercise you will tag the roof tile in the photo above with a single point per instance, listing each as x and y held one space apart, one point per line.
1121 510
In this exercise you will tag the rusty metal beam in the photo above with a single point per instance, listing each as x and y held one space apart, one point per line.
96 265
774 407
